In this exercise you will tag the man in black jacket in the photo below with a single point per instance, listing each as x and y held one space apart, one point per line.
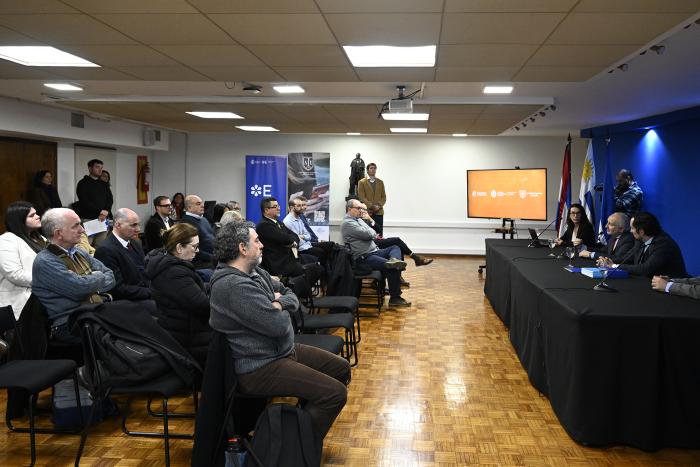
656 253
158 222
124 256
94 195
620 242
279 243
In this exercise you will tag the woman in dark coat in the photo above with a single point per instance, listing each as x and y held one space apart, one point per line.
44 195
578 229
179 292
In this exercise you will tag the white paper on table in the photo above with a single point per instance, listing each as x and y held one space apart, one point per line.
94 226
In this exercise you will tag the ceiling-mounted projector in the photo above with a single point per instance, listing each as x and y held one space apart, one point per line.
401 106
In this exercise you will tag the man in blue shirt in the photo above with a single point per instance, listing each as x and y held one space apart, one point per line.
297 223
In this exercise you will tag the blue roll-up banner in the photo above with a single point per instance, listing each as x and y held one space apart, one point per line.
265 176
308 175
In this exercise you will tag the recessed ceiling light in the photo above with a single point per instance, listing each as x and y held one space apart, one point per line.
409 130
63 86
498 89
459 135
215 114
389 56
289 89
350 133
256 128
42 56
405 116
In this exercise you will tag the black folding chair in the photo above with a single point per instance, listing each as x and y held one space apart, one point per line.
33 377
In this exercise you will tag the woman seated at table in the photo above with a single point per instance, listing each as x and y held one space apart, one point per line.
179 291
579 230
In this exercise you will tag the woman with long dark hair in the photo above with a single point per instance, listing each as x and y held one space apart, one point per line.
178 202
18 248
579 229
44 195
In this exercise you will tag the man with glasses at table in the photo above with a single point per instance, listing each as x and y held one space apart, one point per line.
360 238
158 222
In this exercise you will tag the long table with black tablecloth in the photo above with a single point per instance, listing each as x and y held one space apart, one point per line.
618 368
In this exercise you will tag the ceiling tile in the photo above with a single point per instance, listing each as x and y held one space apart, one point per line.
485 55
315 74
580 55
396 29
398 75
554 74
498 28
613 28
64 29
34 6
131 6
451 110
505 111
346 110
475 74
384 6
120 55
255 6
509 6
164 73
239 73
166 29
300 55
88 73
638 6
210 55
198 127
276 28
10 70
10 37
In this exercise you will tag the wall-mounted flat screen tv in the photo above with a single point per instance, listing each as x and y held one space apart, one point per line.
507 193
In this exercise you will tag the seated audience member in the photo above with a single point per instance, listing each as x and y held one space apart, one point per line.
685 287
63 276
84 245
194 215
122 253
219 210
19 246
178 209
158 222
655 254
360 237
179 292
234 206
230 216
280 244
251 308
579 230
44 194
296 222
621 240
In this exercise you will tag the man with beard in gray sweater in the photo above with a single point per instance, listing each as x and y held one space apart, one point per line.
250 307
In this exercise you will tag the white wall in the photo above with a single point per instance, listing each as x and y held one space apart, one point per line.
425 177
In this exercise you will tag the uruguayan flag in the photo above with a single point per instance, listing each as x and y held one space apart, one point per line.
586 194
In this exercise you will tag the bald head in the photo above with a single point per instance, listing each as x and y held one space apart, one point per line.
194 204
126 224
62 227
618 223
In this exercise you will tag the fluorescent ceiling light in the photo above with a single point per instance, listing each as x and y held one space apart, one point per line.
256 128
215 114
289 89
498 89
459 135
41 56
389 56
63 86
409 130
351 133
405 116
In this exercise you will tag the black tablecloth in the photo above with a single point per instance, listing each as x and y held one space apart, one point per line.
618 368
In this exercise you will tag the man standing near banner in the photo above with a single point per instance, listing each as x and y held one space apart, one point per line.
371 192
628 194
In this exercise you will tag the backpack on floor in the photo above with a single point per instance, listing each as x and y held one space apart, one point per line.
286 436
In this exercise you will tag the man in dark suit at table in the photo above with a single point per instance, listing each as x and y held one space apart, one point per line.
279 243
124 256
158 222
656 253
620 242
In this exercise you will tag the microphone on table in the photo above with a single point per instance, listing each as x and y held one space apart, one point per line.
602 286
535 243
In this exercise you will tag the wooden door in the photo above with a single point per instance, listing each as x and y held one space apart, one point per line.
20 159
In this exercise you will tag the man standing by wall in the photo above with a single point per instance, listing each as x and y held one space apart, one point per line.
628 194
94 197
371 192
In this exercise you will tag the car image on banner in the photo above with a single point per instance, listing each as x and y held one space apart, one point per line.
308 175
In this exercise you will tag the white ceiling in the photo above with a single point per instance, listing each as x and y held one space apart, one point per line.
160 58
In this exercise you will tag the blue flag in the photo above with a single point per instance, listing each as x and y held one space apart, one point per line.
265 176
607 205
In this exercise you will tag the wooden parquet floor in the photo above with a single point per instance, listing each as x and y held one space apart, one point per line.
438 384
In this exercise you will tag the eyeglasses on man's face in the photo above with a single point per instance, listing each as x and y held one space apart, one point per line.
165 206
